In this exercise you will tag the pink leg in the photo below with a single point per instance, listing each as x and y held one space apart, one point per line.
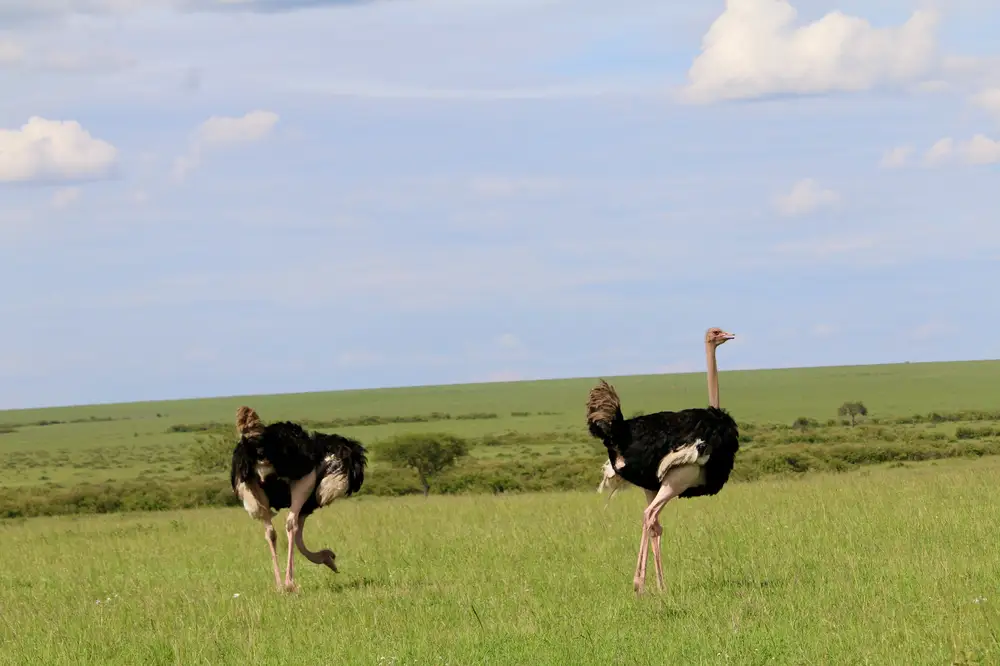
300 491
255 502
655 534
676 481
272 541
638 580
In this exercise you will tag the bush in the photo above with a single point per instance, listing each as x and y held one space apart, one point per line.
965 432
804 422
428 454
212 454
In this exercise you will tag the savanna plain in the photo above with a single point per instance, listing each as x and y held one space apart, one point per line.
872 542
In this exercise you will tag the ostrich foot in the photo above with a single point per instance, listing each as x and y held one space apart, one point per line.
290 586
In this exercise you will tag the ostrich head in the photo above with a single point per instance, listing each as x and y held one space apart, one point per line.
329 559
715 336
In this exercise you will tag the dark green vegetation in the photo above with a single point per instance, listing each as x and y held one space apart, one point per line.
524 436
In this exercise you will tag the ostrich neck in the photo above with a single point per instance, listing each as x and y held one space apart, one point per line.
713 376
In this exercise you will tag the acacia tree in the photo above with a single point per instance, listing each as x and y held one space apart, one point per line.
853 410
428 454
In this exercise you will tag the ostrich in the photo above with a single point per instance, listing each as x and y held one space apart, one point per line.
687 453
282 466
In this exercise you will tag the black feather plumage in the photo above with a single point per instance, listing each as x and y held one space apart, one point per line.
292 452
643 441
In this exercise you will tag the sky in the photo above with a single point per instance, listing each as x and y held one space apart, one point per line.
203 198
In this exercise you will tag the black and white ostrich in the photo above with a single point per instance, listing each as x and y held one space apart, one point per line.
281 466
687 453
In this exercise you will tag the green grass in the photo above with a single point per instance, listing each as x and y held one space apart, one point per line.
753 395
879 566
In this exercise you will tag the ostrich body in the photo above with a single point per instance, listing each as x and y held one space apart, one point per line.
281 466
687 453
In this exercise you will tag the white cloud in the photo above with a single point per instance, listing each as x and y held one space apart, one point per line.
65 196
248 128
53 150
806 196
755 48
221 131
896 157
978 150
988 100
939 152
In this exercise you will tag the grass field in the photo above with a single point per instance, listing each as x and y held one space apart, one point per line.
881 566
890 561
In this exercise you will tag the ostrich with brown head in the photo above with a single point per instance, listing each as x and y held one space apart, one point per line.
281 466
687 453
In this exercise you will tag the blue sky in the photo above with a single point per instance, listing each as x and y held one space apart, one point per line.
359 194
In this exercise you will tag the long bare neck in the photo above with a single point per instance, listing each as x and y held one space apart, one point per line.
713 375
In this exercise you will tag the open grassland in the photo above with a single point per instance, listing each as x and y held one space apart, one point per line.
887 565
525 436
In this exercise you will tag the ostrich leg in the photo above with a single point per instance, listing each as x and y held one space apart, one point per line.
256 504
272 542
655 533
676 481
300 491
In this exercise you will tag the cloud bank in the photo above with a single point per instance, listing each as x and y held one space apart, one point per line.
755 48
54 150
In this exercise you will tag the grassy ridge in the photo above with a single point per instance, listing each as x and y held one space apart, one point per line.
526 436
754 395
882 566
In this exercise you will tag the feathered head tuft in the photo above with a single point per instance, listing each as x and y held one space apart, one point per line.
603 404
248 423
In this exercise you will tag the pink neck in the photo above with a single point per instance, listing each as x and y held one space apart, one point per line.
713 375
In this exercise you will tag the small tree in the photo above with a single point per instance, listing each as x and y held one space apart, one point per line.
427 453
853 410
